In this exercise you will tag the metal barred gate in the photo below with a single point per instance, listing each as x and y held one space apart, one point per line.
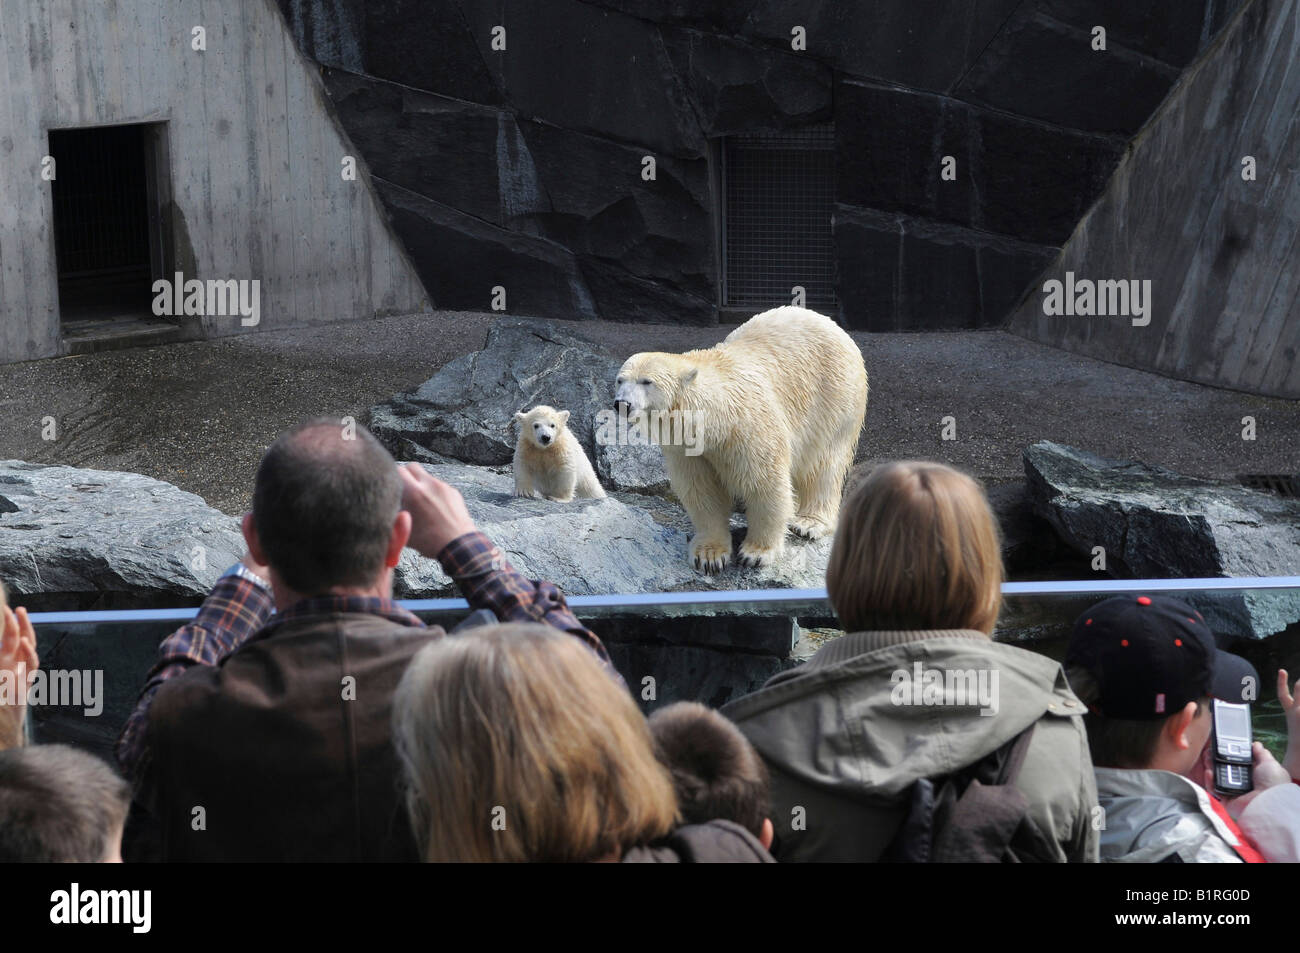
779 194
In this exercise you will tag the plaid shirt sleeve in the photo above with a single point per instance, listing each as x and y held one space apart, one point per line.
232 612
488 581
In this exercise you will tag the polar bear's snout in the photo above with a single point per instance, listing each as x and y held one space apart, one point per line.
543 432
631 397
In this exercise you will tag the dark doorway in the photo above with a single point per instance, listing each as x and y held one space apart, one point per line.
779 194
108 231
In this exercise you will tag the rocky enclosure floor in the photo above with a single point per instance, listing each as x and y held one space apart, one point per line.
200 414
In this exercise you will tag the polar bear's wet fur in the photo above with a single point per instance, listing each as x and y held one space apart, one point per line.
779 406
549 461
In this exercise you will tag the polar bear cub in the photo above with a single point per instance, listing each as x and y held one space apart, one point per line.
549 461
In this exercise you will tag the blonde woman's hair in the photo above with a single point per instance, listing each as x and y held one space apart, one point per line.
516 745
917 548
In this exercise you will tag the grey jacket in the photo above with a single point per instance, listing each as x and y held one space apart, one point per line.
1152 816
847 734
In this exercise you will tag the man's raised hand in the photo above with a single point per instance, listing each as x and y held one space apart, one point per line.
438 511
1291 706
18 659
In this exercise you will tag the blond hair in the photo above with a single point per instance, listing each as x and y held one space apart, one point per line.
917 548
516 745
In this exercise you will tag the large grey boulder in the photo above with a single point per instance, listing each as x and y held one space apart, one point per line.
1154 523
79 539
1028 544
625 544
464 412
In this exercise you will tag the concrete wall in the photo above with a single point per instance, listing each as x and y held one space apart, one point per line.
1222 253
254 160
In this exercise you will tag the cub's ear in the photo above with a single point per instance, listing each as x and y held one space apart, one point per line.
516 419
564 417
690 376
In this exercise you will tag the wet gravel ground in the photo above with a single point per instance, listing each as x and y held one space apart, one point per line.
200 414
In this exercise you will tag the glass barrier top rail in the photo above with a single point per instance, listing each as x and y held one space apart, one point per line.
750 599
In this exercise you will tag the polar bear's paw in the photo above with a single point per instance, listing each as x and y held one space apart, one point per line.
710 557
809 527
752 556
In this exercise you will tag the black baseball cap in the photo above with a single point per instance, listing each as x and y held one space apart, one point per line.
1151 655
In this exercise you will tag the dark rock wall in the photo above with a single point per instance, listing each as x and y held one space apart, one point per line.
1219 249
522 168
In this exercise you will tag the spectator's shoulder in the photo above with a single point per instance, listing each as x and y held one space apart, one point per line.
713 842
183 705
184 690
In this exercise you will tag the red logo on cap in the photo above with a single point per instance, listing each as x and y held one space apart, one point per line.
1144 600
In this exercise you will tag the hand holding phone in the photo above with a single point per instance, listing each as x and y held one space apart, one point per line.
1266 772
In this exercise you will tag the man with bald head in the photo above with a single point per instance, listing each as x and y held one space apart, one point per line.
262 732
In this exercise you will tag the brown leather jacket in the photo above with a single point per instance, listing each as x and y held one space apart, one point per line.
272 756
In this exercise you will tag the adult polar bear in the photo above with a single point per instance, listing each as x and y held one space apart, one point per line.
777 409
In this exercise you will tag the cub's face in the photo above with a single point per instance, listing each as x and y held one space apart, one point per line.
641 386
542 425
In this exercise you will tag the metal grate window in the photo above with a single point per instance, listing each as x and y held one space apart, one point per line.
101 197
779 191
100 206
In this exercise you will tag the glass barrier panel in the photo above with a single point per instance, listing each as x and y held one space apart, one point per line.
704 646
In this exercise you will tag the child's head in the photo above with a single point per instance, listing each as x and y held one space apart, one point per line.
716 771
60 805
1148 668
517 745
